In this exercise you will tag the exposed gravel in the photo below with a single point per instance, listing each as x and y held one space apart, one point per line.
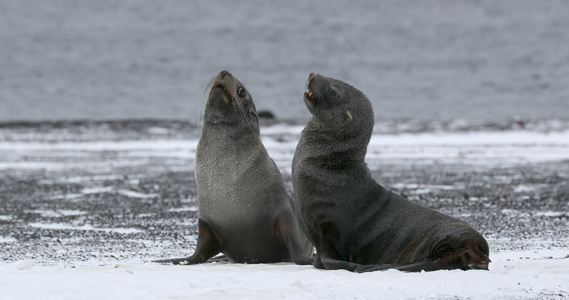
149 210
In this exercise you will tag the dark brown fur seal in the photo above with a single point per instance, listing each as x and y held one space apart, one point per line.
355 223
244 209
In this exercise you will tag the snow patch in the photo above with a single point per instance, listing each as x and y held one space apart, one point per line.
66 197
24 264
57 213
182 209
551 214
476 148
97 190
133 194
61 226
7 240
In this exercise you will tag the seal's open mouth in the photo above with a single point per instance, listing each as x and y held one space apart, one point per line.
309 95
310 100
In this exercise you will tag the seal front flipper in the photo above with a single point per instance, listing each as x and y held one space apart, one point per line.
206 248
334 264
220 258
299 251
332 253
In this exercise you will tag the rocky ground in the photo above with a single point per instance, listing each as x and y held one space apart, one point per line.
111 205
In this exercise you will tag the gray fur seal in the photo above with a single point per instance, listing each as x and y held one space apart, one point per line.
354 223
244 209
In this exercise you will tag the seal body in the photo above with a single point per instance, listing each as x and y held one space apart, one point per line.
244 209
353 222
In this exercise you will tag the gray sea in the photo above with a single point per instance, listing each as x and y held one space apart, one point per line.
134 59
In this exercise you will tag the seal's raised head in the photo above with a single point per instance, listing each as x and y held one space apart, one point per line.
229 102
338 105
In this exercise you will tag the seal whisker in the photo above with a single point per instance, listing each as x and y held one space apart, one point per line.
203 102
244 113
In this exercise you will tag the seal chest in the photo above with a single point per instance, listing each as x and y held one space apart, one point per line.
353 222
244 209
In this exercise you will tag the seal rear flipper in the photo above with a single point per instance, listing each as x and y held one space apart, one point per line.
464 259
327 263
206 248
467 258
427 264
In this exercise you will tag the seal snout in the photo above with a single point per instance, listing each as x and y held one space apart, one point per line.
222 86
224 73
312 75
309 94
310 78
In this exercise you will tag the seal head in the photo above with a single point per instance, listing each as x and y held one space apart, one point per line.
230 103
332 102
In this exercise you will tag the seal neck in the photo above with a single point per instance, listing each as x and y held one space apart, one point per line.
227 133
335 146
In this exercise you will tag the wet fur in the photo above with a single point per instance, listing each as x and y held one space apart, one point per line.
355 223
244 209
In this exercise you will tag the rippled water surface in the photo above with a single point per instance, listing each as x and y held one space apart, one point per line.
63 59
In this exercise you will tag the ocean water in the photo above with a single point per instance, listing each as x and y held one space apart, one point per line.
99 60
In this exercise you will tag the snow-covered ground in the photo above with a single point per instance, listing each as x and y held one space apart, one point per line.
518 146
85 207
535 274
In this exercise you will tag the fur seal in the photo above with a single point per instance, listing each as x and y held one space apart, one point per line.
354 223
244 209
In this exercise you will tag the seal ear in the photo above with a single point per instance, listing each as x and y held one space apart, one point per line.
349 115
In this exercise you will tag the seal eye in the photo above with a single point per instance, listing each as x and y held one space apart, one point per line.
332 93
241 92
